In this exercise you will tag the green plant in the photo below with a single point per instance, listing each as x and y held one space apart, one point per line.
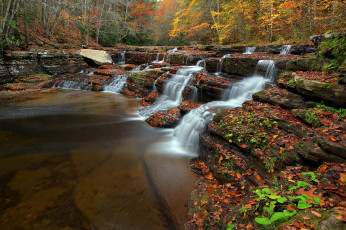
311 117
312 175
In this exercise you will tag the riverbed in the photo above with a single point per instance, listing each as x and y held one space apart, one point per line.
82 160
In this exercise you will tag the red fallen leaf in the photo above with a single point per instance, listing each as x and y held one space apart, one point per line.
290 207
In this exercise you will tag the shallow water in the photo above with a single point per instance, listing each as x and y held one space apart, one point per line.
73 160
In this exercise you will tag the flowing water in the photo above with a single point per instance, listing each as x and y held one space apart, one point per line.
250 50
173 88
74 160
118 83
193 123
285 49
121 57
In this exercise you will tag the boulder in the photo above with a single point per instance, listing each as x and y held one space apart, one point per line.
97 56
281 97
167 119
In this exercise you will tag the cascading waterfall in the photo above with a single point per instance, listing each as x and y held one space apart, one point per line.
250 50
173 89
285 49
138 68
116 85
73 84
193 123
157 60
121 58
173 50
219 65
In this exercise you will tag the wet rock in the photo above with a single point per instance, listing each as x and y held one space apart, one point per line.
328 93
167 119
4 74
334 221
187 106
99 57
141 82
210 88
161 80
239 66
281 97
148 100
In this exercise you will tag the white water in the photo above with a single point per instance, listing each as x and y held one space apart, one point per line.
250 50
121 58
285 49
173 50
138 68
158 57
73 84
116 85
188 131
173 89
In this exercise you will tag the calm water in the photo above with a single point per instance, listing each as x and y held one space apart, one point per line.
74 160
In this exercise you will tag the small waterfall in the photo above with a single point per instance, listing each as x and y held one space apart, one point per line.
172 91
193 123
158 58
266 68
219 65
250 50
74 84
121 58
201 63
116 85
173 50
285 49
138 68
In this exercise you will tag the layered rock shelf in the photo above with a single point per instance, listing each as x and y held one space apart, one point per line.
283 152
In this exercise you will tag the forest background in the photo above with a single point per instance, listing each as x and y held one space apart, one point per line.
73 23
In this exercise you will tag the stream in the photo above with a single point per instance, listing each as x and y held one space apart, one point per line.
77 160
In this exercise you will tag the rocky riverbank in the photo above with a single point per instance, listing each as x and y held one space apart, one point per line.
278 161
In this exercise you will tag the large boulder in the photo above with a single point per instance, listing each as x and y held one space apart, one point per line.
99 57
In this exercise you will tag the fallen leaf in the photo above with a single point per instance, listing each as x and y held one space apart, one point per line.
341 218
316 214
221 158
290 207
306 218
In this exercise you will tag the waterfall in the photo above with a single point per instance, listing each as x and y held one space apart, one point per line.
157 60
266 68
285 49
116 85
219 65
193 123
73 84
201 63
250 50
138 68
173 50
172 91
121 57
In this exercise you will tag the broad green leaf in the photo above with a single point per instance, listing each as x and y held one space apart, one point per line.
266 190
303 205
277 216
263 220
281 200
317 201
231 226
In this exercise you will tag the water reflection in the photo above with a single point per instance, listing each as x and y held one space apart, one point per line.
73 160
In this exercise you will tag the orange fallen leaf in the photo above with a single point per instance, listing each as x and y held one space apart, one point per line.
244 146
306 218
290 207
316 214
221 158
341 218
275 136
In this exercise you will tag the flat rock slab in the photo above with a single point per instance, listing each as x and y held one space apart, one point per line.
99 57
